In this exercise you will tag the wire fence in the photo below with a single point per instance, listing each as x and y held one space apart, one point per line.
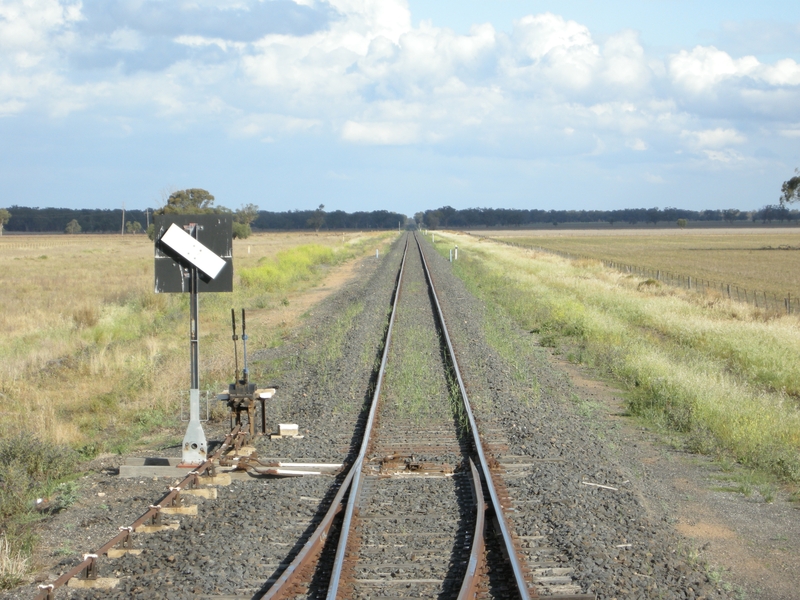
758 298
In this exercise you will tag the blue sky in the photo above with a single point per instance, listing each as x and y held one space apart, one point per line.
399 105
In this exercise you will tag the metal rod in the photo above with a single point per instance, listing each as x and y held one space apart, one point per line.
245 371
194 343
235 350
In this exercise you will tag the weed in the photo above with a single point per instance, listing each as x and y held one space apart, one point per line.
13 565
65 495
85 316
767 492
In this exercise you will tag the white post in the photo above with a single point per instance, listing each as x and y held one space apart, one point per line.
377 253
433 238
451 255
456 254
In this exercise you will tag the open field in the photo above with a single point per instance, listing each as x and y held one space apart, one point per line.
726 374
92 358
755 259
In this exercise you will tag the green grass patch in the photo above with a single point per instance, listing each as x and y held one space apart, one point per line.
292 266
724 378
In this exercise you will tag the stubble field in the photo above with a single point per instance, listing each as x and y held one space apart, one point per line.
767 260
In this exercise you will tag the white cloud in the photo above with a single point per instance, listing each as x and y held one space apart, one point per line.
385 133
361 69
650 178
713 138
723 156
637 144
704 67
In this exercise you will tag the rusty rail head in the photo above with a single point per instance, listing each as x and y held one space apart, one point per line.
355 487
282 586
508 542
47 591
476 555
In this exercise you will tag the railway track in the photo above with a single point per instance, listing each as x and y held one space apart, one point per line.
416 508
422 510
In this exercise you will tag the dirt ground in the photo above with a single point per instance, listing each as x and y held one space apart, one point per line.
751 546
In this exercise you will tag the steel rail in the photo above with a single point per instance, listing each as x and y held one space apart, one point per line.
355 486
282 585
522 586
476 555
46 591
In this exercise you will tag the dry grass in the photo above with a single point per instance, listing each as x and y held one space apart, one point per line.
13 565
718 370
91 357
755 259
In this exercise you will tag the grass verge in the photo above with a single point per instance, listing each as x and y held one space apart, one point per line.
713 370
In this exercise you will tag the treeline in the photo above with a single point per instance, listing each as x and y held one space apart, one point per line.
42 220
448 216
337 219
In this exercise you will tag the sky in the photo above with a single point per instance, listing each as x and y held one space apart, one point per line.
402 105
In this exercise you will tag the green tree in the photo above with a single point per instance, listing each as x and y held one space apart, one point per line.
317 220
241 230
72 227
682 223
189 202
133 227
242 219
791 189
5 217
246 214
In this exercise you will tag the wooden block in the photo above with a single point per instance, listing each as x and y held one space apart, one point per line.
243 451
223 479
287 429
101 583
119 552
180 510
208 493
157 528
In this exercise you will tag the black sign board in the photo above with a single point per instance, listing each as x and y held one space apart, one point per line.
213 231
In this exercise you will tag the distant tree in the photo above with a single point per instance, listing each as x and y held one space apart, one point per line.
731 214
654 215
682 223
242 219
72 227
5 217
317 219
189 202
133 227
791 189
241 230
246 214
419 218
